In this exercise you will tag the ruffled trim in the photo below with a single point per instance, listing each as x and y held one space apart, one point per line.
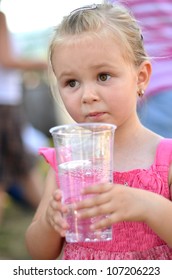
77 252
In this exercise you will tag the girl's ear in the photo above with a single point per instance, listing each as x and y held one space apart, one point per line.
144 74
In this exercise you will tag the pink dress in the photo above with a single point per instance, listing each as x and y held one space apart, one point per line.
131 240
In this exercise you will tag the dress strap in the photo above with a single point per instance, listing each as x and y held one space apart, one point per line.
164 152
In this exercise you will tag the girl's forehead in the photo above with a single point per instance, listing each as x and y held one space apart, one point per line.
87 43
88 37
106 41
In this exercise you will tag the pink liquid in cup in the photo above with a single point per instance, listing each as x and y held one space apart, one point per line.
74 176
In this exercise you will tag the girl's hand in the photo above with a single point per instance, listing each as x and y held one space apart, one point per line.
116 202
55 213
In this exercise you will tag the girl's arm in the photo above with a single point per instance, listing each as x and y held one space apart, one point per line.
44 237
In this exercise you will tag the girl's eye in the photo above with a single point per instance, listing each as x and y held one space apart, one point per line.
104 77
72 83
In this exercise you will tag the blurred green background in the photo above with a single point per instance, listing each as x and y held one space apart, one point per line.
12 231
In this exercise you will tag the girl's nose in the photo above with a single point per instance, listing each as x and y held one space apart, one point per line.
89 95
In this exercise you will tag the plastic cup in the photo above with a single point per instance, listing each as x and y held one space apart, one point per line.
84 153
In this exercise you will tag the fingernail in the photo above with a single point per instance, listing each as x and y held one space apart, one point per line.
92 227
83 191
78 215
63 233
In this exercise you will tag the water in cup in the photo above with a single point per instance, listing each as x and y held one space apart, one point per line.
74 176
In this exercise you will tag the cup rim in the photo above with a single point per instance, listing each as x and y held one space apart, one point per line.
54 129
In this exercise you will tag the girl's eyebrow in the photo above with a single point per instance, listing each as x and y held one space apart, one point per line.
64 74
103 65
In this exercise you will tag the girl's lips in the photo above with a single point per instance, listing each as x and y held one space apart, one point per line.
95 115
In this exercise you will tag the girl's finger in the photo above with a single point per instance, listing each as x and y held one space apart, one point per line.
95 200
57 195
95 211
105 222
59 223
58 206
99 188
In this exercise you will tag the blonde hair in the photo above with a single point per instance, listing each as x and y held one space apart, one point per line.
103 20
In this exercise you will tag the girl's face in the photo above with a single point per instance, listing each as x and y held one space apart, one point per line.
95 82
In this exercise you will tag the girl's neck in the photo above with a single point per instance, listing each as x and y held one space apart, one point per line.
135 147
129 133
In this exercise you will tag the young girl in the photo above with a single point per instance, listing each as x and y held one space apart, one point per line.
101 68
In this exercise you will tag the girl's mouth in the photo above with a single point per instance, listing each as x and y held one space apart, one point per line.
95 115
